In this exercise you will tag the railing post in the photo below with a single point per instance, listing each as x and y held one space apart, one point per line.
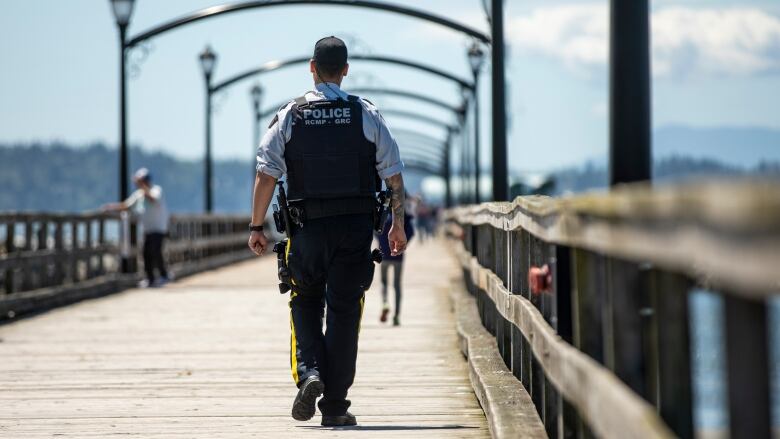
588 282
74 247
88 245
562 288
516 282
43 244
675 400
624 354
101 242
747 348
10 231
59 247
28 274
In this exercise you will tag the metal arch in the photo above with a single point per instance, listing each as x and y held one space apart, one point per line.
419 117
414 154
426 154
424 170
276 65
422 167
214 11
421 161
420 136
415 146
265 68
410 95
391 92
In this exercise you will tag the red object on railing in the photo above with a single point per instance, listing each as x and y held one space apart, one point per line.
540 279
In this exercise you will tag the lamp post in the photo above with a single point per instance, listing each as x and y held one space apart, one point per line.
257 97
208 60
464 160
446 171
256 92
500 167
123 10
476 60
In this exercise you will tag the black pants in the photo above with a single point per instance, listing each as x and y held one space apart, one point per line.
153 258
330 261
398 266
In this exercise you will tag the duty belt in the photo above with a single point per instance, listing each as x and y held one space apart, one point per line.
323 207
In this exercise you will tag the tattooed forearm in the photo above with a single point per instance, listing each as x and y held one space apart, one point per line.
396 184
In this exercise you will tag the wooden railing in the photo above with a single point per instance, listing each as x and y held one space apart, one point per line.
48 259
588 298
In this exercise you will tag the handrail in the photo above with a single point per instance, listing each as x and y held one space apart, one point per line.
588 298
50 259
696 228
607 404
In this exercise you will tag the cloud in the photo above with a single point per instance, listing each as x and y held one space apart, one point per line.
686 41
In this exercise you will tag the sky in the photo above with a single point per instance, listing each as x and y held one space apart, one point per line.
716 63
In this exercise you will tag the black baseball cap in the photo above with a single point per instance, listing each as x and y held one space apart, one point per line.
330 52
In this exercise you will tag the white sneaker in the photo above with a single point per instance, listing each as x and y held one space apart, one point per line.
144 284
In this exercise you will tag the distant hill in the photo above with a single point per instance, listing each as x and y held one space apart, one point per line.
60 177
743 147
665 170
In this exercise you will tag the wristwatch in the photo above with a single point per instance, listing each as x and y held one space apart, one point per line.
255 228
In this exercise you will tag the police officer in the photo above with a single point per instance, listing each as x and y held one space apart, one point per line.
335 150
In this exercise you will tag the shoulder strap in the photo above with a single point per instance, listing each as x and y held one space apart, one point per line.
274 120
297 102
353 98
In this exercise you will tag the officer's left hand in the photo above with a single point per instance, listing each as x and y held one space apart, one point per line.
258 243
397 238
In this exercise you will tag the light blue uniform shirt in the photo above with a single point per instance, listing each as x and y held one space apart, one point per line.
270 152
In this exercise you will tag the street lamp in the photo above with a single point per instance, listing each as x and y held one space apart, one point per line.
256 92
257 97
476 59
465 146
208 61
123 10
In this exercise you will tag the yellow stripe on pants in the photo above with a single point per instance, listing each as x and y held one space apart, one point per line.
293 350
293 341
362 305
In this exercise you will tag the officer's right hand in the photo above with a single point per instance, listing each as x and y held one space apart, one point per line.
258 243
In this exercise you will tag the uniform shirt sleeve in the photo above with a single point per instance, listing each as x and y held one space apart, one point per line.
270 152
388 157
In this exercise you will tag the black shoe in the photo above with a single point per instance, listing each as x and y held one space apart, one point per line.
396 321
345 420
304 405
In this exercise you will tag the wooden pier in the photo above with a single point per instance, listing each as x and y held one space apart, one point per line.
209 357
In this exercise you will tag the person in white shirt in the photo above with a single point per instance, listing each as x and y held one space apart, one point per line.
148 203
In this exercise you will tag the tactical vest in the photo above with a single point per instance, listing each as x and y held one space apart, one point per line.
331 166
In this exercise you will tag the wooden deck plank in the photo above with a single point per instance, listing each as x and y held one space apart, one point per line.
208 357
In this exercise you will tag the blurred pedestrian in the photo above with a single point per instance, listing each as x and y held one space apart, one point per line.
396 262
148 203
